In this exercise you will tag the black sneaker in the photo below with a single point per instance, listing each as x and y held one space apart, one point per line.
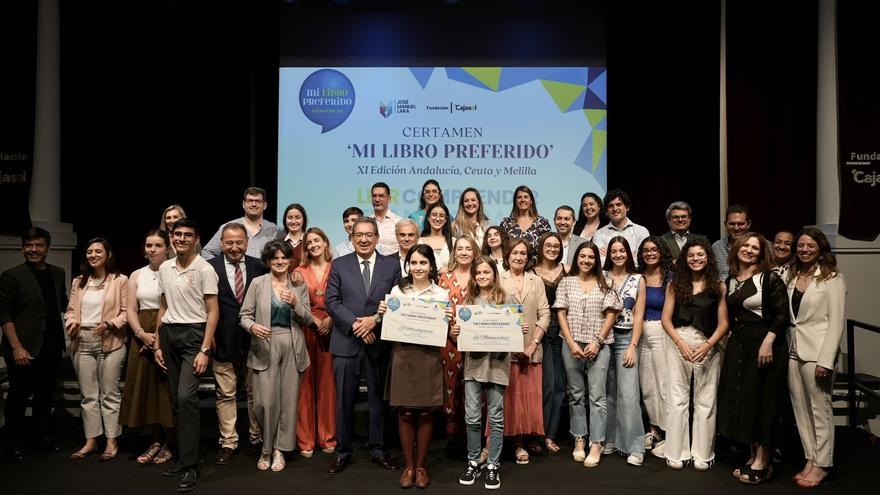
470 474
493 477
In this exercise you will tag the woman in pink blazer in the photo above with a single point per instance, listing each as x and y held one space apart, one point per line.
95 321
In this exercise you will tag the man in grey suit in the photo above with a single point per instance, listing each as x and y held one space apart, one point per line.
678 216
32 298
357 283
564 219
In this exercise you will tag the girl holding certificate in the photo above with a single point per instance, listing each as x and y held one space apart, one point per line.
484 372
588 307
415 373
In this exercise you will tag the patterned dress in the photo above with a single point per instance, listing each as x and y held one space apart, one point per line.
453 397
531 235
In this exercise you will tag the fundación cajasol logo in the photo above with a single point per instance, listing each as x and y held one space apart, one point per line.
326 98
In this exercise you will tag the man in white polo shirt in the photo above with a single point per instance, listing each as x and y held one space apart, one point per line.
188 314
386 219
617 205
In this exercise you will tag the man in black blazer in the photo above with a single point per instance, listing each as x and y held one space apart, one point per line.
678 216
32 299
357 283
235 270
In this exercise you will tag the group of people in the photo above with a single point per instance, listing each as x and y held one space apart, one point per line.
622 325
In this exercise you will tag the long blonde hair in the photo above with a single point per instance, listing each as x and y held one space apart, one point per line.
496 293
462 225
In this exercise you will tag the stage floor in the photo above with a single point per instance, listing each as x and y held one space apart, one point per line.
857 462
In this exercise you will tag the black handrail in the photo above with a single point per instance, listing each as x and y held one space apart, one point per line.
851 364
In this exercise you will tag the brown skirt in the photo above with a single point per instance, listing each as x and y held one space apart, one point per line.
145 399
415 377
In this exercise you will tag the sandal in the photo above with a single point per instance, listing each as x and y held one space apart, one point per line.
263 463
738 472
278 462
109 456
755 476
522 457
80 455
163 456
151 453
551 445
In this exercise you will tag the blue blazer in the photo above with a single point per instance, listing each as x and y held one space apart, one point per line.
230 341
346 300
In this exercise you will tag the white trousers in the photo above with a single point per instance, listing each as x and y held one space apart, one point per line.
679 444
653 375
813 411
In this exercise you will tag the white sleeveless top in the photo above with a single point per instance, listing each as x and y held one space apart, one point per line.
90 308
147 288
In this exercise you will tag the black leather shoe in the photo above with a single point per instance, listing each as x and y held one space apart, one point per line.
173 470
224 456
338 465
188 481
48 445
385 462
254 448
15 454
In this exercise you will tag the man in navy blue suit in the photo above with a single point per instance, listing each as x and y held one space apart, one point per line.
235 270
358 282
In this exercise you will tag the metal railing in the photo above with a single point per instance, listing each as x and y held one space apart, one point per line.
852 379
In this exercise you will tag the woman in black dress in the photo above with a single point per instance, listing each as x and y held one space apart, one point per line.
753 376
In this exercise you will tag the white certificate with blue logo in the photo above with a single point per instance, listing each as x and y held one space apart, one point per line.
415 320
490 328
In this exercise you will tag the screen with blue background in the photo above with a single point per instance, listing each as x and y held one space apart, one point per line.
493 128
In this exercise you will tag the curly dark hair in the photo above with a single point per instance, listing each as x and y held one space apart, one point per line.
682 279
666 260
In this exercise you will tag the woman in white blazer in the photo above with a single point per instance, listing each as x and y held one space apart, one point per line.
274 312
817 294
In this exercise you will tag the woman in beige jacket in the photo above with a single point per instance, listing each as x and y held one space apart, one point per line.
95 321
523 402
817 294
275 312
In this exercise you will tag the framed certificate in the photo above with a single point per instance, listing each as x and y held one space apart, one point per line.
415 320
490 328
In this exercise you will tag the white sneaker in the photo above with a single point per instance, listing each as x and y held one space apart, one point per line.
659 449
674 464
610 448
579 445
635 459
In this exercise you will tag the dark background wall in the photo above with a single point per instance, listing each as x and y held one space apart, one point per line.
176 102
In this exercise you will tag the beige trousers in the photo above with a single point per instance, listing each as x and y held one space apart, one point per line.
813 411
98 375
226 377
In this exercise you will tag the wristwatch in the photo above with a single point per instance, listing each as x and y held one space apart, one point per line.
377 319
536 341
206 351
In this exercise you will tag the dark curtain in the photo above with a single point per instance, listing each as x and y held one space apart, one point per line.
771 111
18 59
663 87
858 39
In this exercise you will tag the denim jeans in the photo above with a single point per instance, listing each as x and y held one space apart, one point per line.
553 382
473 412
595 371
625 426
